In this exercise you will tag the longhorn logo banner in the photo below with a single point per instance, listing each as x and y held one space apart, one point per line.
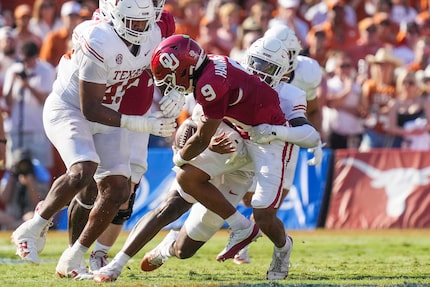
384 188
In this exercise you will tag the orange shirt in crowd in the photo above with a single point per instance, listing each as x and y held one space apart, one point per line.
184 27
55 46
349 39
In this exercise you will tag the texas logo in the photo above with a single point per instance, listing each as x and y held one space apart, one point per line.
380 189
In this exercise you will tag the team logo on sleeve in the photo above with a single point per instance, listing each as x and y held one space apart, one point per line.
118 59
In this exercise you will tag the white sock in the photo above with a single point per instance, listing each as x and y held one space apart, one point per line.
238 221
39 222
121 258
285 247
79 249
98 246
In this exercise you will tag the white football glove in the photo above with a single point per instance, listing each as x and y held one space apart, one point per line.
154 124
172 103
263 133
318 153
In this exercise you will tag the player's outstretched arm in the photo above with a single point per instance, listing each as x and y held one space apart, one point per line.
305 135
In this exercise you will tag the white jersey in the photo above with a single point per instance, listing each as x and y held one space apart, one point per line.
293 103
97 42
307 76
292 99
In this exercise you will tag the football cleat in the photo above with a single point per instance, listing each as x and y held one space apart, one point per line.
108 273
70 266
25 240
238 240
280 264
157 256
242 257
98 259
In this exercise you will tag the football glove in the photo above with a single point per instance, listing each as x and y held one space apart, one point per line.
318 154
154 124
172 103
264 133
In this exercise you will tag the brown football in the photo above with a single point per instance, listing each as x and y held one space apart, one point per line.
184 132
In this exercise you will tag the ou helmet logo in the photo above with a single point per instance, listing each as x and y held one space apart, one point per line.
169 61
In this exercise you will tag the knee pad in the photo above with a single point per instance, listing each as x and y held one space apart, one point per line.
123 215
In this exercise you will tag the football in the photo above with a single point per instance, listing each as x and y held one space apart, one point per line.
184 132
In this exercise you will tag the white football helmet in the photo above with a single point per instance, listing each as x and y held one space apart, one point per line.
289 38
127 13
268 58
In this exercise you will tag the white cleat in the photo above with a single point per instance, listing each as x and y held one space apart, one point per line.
98 259
25 240
157 256
70 266
238 240
242 257
108 273
280 264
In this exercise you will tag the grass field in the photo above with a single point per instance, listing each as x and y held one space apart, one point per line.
319 258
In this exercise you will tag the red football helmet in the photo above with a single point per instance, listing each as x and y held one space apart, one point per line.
174 62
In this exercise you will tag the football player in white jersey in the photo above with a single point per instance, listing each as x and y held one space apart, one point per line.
304 73
133 105
82 120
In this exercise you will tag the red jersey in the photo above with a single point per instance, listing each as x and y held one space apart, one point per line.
226 89
137 99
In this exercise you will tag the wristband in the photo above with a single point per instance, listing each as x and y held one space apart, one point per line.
178 160
3 141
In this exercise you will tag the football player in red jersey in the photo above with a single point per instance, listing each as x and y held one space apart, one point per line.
227 93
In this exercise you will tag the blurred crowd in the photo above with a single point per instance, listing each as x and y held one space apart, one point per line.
374 55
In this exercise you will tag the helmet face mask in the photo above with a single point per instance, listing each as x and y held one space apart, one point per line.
268 58
158 7
133 20
174 62
168 83
266 70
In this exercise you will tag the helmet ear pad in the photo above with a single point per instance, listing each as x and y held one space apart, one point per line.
175 61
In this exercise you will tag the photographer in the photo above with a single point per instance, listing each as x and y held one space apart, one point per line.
22 187
26 87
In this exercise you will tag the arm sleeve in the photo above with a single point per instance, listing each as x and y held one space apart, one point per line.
304 136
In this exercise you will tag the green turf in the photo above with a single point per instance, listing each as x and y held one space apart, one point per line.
319 258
